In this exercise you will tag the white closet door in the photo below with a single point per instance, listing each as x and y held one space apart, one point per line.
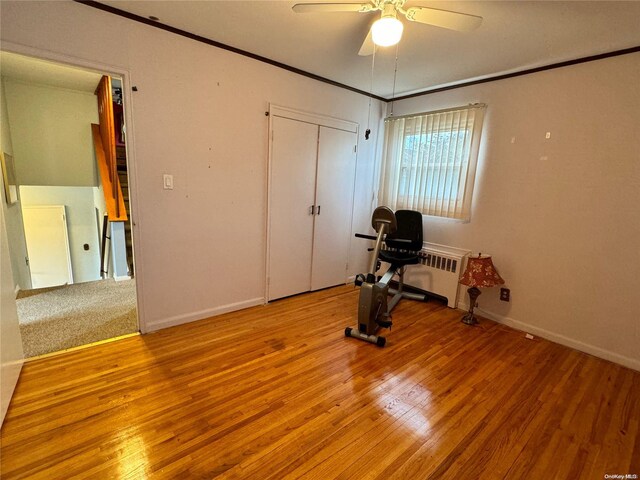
45 229
334 197
291 194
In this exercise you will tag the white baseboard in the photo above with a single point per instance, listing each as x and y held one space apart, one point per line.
16 290
202 314
557 338
121 278
350 279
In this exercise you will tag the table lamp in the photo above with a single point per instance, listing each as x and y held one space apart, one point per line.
480 272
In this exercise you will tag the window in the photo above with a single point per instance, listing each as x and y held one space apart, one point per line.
429 161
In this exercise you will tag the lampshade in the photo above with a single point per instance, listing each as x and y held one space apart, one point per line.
387 31
480 272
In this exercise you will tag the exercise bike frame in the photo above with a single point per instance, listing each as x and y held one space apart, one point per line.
374 308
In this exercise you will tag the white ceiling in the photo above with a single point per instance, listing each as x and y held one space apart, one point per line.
41 72
515 35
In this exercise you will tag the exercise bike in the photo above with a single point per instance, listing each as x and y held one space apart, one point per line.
402 235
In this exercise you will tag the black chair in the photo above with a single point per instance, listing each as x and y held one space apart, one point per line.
406 242
403 248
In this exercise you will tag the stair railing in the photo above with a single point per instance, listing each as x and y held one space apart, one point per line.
104 144
106 133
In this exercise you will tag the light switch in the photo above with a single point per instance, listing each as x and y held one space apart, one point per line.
167 181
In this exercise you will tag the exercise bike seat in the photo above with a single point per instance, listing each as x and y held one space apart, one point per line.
406 241
399 258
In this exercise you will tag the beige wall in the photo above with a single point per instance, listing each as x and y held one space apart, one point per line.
199 114
51 133
13 213
560 216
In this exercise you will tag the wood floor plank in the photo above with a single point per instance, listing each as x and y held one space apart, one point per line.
278 392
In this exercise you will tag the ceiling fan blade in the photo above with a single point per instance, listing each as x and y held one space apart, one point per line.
332 7
368 46
444 18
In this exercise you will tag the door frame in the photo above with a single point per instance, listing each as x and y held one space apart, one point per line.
125 75
301 116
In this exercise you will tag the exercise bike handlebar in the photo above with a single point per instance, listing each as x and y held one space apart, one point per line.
373 237
368 237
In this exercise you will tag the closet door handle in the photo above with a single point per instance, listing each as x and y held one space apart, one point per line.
318 212
311 209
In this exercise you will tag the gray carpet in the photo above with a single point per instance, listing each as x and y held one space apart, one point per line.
53 319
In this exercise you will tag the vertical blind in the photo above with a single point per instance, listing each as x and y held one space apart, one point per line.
429 161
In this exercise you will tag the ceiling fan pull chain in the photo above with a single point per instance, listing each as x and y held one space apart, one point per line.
395 74
373 63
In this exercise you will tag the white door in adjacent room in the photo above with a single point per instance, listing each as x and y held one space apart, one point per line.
47 238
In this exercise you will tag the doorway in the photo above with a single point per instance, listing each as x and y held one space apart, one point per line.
69 229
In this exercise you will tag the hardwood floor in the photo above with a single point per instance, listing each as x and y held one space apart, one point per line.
277 392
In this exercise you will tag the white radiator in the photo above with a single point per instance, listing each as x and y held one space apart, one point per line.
439 270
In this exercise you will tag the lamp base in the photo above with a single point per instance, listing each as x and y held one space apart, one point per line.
469 318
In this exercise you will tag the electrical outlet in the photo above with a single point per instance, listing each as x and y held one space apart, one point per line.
505 294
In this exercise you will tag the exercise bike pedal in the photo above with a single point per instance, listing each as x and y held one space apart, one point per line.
360 279
385 323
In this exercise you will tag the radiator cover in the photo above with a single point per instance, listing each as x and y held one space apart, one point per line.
439 271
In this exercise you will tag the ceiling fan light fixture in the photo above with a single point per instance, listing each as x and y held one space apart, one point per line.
387 31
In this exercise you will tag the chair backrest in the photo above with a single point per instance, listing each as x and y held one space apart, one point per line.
409 228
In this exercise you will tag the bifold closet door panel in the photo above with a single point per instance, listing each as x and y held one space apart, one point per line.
334 197
291 194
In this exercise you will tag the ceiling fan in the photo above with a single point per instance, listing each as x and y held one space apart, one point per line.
387 30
